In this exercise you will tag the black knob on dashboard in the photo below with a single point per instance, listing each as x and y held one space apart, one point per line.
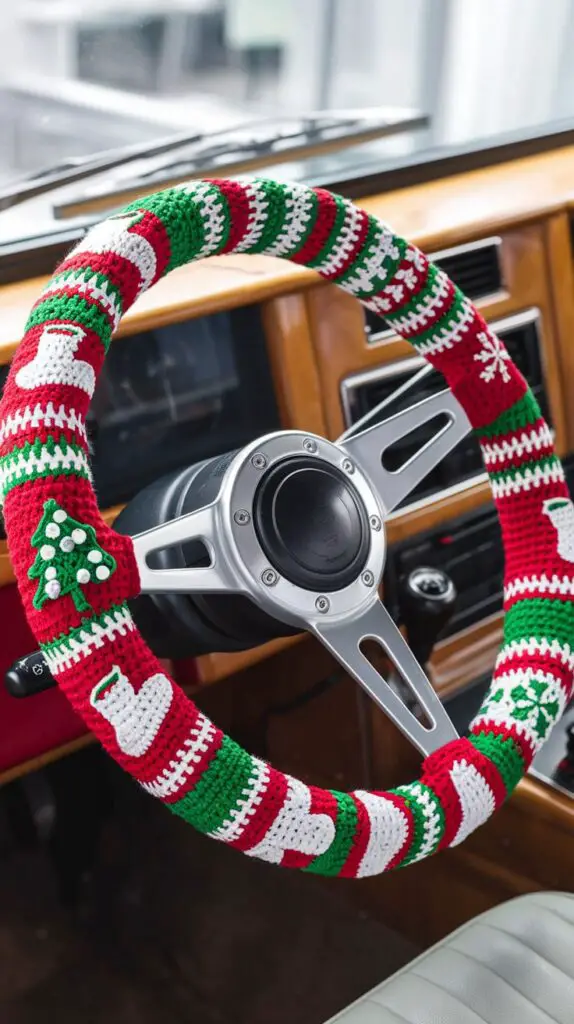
29 675
427 598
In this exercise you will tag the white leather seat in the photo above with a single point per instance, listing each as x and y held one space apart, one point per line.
512 965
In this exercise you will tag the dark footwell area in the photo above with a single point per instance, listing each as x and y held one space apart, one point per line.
163 926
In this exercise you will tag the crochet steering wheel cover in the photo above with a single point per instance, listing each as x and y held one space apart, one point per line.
75 574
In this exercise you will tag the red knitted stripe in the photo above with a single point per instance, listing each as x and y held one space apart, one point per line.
238 202
360 842
123 274
434 316
514 460
153 229
272 801
363 230
436 775
401 803
522 742
410 278
523 662
322 802
528 534
322 228
482 400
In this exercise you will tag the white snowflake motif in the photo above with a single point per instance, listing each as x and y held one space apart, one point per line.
494 356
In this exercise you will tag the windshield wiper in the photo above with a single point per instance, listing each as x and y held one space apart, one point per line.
233 149
247 148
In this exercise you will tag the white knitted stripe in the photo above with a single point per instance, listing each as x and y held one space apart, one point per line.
62 654
447 337
298 213
389 829
532 716
42 416
210 204
496 453
240 816
113 236
532 586
405 281
345 244
27 467
552 649
432 820
257 217
525 479
295 828
477 802
84 282
370 272
427 310
184 764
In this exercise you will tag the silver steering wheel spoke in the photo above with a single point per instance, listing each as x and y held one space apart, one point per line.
345 639
203 525
368 447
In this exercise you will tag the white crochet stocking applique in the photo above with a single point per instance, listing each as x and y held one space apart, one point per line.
55 361
560 511
135 717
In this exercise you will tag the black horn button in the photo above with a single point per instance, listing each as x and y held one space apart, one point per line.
312 524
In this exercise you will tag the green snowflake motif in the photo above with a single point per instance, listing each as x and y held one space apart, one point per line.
534 703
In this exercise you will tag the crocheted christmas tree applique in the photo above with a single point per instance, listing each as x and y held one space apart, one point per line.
560 511
69 556
135 717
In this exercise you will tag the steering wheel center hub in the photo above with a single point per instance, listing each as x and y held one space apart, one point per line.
312 524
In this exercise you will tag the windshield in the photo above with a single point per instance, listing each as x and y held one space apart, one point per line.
78 77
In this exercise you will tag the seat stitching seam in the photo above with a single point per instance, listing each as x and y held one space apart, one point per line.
383 1006
487 967
521 942
455 999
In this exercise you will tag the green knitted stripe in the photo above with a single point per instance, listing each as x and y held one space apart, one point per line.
411 795
444 323
182 220
423 294
334 240
37 460
524 413
209 804
504 754
540 618
517 472
76 309
276 196
94 278
76 640
366 253
334 859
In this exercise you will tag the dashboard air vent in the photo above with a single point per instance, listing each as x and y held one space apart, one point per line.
475 268
470 550
361 393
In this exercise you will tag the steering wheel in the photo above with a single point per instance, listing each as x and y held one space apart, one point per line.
76 574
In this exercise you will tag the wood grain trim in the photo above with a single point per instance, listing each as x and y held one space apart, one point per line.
208 286
293 363
561 278
434 215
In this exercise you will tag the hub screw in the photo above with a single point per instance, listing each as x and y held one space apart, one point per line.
322 604
368 578
310 445
375 523
348 466
242 517
258 461
269 577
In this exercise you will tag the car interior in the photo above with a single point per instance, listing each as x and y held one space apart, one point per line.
287 529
